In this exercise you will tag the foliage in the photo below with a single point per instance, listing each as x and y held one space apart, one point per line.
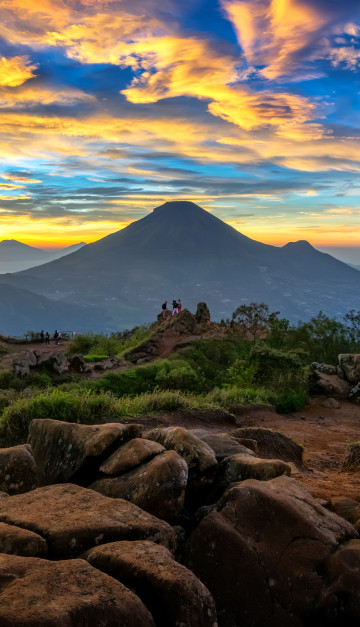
255 319
94 358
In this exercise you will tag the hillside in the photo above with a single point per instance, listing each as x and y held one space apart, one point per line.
182 251
16 256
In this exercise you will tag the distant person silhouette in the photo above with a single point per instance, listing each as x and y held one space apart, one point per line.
175 308
164 308
179 305
47 337
42 336
56 338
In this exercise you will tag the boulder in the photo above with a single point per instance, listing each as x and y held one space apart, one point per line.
265 540
172 593
324 368
55 362
239 467
339 604
73 519
37 592
67 451
352 457
157 486
109 363
183 323
222 444
23 361
347 508
354 394
198 455
350 364
202 313
129 455
17 541
330 384
272 444
17 469
77 363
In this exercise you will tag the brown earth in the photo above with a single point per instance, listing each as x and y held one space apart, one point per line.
324 428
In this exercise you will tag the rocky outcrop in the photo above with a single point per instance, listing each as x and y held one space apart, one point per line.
77 363
24 362
17 541
71 452
109 363
330 384
17 469
157 486
240 467
272 444
348 509
198 455
73 519
174 596
66 594
277 536
350 364
202 313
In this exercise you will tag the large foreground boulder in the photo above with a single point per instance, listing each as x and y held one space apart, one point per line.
17 469
36 592
66 451
260 550
73 519
130 455
240 467
350 364
222 444
172 593
157 486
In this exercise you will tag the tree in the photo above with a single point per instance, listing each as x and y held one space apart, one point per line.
254 319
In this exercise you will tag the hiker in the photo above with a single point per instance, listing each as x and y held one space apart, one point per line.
164 308
56 338
175 307
59 336
179 305
42 336
47 338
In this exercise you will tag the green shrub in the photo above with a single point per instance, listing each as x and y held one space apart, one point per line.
81 344
291 401
236 396
94 358
129 382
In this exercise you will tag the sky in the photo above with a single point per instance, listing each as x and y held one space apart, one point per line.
250 108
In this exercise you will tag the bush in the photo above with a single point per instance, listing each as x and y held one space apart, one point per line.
93 358
291 401
81 344
129 382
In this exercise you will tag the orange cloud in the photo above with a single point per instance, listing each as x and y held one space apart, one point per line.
273 32
15 71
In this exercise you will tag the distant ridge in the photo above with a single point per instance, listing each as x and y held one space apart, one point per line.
182 251
16 256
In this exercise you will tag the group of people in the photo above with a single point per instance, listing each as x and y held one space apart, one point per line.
45 337
176 307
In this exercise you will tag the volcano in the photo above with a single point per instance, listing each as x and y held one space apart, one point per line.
182 251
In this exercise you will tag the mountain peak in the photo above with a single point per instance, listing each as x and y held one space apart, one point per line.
178 206
301 244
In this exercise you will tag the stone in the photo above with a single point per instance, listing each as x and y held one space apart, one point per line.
268 540
37 592
17 541
130 455
249 443
17 469
339 603
272 444
329 403
157 486
73 519
350 364
347 508
202 313
172 593
55 362
239 467
330 384
354 394
109 363
324 368
77 363
222 444
67 451
23 362
198 455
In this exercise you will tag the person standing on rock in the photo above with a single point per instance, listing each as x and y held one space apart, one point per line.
56 338
47 338
42 336
164 308
175 307
179 305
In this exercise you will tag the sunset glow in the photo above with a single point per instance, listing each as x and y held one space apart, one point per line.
250 108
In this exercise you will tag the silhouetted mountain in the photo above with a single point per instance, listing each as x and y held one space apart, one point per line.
182 251
16 256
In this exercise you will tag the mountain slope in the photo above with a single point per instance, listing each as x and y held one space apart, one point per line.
16 256
182 251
